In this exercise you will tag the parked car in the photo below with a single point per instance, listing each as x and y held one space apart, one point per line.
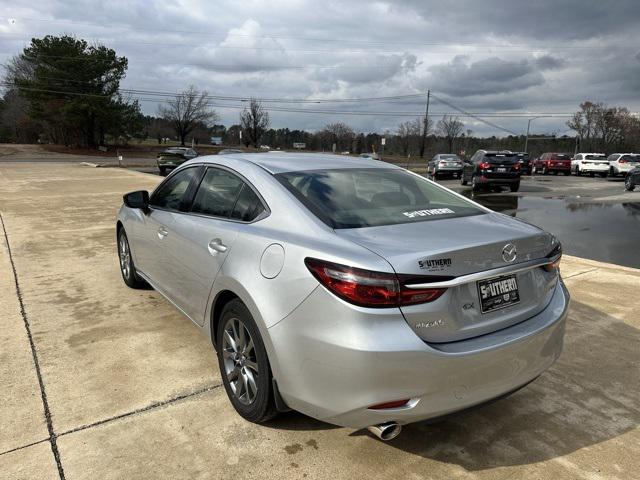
525 162
487 169
632 179
229 151
372 156
553 163
351 290
590 163
445 164
622 163
174 157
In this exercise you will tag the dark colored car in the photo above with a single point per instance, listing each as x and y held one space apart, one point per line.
632 180
487 169
525 162
553 162
174 157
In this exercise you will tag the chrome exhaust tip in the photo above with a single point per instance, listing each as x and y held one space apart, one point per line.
386 431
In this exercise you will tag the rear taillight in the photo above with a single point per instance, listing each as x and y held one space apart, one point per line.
516 166
366 288
622 160
393 404
484 165
555 265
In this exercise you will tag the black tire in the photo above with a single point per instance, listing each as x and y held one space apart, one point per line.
128 273
612 172
629 186
544 170
463 181
262 408
566 174
514 187
163 171
603 174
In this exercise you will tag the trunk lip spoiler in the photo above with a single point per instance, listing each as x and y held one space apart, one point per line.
494 272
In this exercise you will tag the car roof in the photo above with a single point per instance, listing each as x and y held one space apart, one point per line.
280 162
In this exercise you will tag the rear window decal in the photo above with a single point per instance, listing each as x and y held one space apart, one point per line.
428 212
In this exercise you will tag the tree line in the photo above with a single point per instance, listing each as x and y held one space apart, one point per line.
63 90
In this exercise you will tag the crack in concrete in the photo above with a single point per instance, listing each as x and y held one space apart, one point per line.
579 273
142 410
34 354
24 446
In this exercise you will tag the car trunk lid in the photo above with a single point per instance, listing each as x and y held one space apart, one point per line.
456 248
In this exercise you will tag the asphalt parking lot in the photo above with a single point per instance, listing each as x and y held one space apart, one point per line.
100 381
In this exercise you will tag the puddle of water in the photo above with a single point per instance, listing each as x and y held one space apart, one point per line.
599 231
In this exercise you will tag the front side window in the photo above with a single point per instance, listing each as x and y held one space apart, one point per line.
170 195
217 193
356 198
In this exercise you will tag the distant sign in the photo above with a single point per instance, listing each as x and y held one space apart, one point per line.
384 141
216 140
299 145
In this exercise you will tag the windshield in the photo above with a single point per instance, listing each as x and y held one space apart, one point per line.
367 197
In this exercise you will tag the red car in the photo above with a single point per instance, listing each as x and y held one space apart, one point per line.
552 162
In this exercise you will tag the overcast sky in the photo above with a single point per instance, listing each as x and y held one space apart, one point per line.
490 56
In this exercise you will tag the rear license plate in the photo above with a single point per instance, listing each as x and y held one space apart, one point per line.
501 170
497 293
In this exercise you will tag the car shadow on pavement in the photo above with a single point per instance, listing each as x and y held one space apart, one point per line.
589 396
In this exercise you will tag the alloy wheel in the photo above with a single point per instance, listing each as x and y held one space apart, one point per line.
240 361
125 257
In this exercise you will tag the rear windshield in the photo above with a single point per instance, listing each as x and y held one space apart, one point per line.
501 157
368 197
560 156
594 157
450 157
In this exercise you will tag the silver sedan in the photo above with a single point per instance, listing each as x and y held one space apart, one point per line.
445 164
348 289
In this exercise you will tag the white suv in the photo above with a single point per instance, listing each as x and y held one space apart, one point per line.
590 163
622 163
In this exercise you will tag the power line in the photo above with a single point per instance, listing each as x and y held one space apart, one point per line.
478 116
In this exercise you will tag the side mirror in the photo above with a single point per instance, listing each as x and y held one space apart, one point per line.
138 199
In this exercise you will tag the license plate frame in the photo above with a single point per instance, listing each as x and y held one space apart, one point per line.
501 169
506 293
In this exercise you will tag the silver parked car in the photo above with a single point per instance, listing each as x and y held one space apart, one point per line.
445 164
348 289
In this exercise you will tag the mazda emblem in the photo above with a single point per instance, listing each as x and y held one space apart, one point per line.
509 252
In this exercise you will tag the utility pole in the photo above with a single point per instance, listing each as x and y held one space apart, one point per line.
425 126
526 139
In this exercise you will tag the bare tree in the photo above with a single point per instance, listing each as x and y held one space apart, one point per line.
339 134
187 111
450 128
407 133
254 121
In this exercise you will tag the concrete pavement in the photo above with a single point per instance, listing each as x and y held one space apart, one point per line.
134 391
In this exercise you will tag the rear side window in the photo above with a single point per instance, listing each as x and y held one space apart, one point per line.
217 193
170 195
248 206
355 198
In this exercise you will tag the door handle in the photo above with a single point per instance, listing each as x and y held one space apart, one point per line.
162 232
216 246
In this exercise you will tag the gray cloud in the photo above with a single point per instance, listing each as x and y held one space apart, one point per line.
493 55
463 78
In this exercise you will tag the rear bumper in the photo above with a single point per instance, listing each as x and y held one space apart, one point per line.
448 169
485 180
334 364
559 168
593 168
